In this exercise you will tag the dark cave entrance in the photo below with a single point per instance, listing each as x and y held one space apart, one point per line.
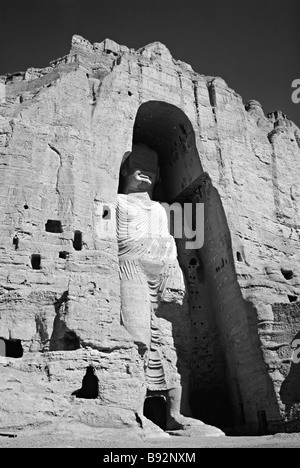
64 254
90 386
11 348
36 261
155 409
212 408
62 338
53 225
77 242
70 341
166 129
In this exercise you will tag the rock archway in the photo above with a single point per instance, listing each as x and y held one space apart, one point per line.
166 128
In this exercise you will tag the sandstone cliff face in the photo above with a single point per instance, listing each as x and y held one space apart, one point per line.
63 132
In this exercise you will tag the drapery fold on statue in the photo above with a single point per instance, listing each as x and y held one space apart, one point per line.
146 246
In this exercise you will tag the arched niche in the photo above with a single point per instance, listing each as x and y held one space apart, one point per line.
166 129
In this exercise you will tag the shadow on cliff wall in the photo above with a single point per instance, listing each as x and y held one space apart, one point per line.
248 390
252 401
290 389
268 402
62 338
90 385
223 403
179 320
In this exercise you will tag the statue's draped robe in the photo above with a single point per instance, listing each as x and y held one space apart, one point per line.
149 273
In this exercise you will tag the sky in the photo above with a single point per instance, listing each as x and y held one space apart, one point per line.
254 45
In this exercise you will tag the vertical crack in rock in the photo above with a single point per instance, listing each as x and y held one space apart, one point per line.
9 133
180 79
195 89
220 161
54 149
94 95
60 165
140 82
297 137
213 102
6 132
41 329
95 87
271 136
64 191
212 98
48 372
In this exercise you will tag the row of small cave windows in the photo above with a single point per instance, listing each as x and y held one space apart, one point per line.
55 227
36 258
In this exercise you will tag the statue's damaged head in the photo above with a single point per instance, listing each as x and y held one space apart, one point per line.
139 170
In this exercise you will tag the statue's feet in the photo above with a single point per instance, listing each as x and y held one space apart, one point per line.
178 422
188 427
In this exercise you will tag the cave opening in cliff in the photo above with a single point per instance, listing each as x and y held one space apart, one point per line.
287 274
36 261
90 385
166 129
77 242
292 298
53 225
106 214
70 341
64 254
211 405
11 348
155 409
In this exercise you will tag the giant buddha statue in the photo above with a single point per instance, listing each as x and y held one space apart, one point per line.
150 275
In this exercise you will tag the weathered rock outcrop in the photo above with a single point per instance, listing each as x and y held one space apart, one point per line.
63 132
